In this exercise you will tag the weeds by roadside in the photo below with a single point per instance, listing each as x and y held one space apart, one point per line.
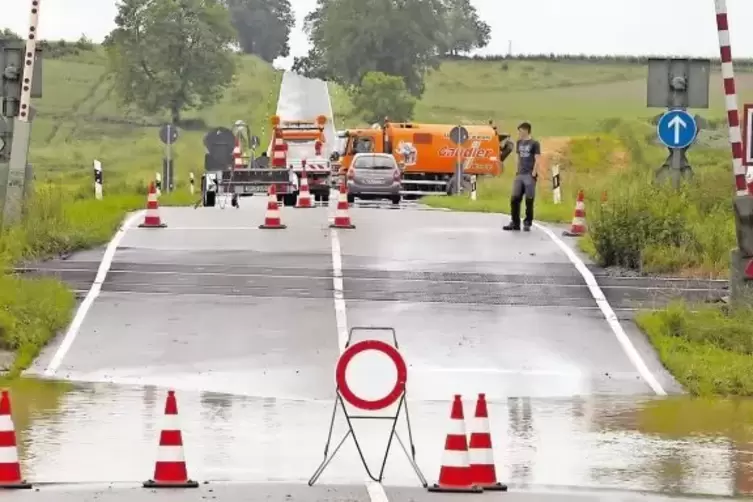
707 348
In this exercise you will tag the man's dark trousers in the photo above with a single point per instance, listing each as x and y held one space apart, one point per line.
524 184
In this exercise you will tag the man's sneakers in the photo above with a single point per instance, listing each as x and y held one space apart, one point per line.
515 228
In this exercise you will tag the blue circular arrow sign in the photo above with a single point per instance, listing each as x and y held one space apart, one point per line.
677 129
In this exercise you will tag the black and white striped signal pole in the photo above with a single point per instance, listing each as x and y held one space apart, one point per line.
97 180
190 183
158 183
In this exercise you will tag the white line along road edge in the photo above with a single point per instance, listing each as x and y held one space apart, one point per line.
96 287
375 490
606 309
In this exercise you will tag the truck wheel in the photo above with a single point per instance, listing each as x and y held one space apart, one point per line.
279 199
351 198
325 197
396 200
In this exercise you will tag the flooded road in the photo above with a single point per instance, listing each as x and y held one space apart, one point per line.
108 433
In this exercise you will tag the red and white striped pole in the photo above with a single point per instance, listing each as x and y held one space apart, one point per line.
730 95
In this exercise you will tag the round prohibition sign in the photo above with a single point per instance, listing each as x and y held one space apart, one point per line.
386 349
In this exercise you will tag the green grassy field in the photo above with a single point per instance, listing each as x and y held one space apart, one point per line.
78 120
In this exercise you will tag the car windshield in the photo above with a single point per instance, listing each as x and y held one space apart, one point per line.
375 163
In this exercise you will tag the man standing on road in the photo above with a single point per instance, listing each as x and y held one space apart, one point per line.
529 153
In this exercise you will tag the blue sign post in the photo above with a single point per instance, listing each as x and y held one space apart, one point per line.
677 129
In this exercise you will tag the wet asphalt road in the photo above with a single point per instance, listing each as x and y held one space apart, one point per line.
242 322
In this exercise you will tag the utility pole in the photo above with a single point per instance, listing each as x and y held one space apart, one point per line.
21 79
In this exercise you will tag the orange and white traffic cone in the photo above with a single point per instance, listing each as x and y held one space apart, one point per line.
455 473
578 226
170 468
480 451
272 218
342 217
237 155
152 218
10 467
304 194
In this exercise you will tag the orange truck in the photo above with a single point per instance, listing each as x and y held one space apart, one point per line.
426 154
300 145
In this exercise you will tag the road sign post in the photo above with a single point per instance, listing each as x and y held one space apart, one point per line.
168 134
459 136
346 397
677 130
97 180
677 84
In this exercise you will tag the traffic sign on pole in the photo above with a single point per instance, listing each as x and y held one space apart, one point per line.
168 134
677 129
747 126
459 135
344 394
342 382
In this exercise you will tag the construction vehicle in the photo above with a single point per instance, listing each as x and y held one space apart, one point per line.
427 156
297 145
233 169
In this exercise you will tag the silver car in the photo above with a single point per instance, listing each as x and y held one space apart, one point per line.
374 176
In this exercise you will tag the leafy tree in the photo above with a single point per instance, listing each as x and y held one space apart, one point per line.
465 31
354 37
263 26
171 55
7 34
381 95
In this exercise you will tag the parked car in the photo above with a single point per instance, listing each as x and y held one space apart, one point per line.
374 176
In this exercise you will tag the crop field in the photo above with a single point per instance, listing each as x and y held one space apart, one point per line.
558 98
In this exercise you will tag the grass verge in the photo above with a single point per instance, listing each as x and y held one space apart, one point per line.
707 348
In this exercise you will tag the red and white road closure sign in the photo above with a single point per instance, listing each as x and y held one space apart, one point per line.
376 404
747 127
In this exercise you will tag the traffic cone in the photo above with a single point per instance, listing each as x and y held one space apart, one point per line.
272 217
480 451
237 155
10 467
455 473
152 219
342 218
578 226
304 194
170 468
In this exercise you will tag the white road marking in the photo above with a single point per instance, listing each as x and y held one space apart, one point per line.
341 316
609 314
376 491
96 287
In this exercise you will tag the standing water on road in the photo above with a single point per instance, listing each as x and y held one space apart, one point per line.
108 433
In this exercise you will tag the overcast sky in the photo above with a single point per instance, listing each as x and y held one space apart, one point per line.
530 26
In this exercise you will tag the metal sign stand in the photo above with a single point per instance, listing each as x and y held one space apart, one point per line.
344 394
168 134
458 135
